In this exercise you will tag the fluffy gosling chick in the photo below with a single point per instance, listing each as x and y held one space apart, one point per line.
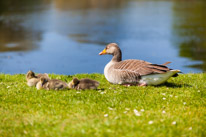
32 79
83 84
53 84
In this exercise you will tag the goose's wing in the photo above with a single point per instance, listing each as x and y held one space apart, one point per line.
139 67
166 63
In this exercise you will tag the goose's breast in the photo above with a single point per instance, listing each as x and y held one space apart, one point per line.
109 74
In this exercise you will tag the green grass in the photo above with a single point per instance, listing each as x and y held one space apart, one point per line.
108 111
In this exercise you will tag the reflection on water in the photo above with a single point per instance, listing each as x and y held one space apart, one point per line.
65 36
65 5
190 30
14 36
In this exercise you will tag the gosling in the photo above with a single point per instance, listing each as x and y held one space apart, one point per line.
53 84
83 84
32 79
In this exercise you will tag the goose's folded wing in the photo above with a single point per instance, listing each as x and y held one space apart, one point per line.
127 75
139 67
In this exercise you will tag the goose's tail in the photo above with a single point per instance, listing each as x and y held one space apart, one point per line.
175 72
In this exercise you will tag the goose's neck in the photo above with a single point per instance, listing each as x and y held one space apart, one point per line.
117 56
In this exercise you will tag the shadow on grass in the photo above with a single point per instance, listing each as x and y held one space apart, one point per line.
173 85
102 89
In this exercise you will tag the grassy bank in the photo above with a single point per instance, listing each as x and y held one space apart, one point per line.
177 108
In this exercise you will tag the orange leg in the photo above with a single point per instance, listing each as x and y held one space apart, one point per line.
127 85
142 84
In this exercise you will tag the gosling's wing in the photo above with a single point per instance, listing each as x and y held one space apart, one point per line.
57 84
45 75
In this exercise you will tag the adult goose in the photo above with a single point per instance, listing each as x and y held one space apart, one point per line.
134 72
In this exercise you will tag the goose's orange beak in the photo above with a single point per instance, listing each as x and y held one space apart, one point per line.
103 52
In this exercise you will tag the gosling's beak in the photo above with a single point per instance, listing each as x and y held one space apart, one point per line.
103 52
73 86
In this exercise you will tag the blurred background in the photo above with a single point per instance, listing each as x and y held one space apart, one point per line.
65 36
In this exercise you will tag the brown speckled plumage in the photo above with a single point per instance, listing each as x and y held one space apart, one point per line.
141 67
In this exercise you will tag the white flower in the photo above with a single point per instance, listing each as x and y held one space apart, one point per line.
78 92
102 93
164 98
184 103
127 108
190 128
116 117
163 112
25 132
198 91
8 86
176 96
163 94
106 115
115 91
110 108
136 112
150 122
125 112
174 123
171 95
142 110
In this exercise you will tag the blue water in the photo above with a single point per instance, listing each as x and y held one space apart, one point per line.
65 37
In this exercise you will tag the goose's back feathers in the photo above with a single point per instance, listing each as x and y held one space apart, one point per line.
56 84
139 67
83 84
45 75
87 84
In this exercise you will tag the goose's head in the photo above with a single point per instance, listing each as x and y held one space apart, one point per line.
73 83
30 74
43 80
113 49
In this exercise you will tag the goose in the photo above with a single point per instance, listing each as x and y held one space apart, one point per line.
33 79
83 84
134 72
53 84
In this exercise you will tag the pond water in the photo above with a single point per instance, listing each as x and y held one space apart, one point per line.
65 36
